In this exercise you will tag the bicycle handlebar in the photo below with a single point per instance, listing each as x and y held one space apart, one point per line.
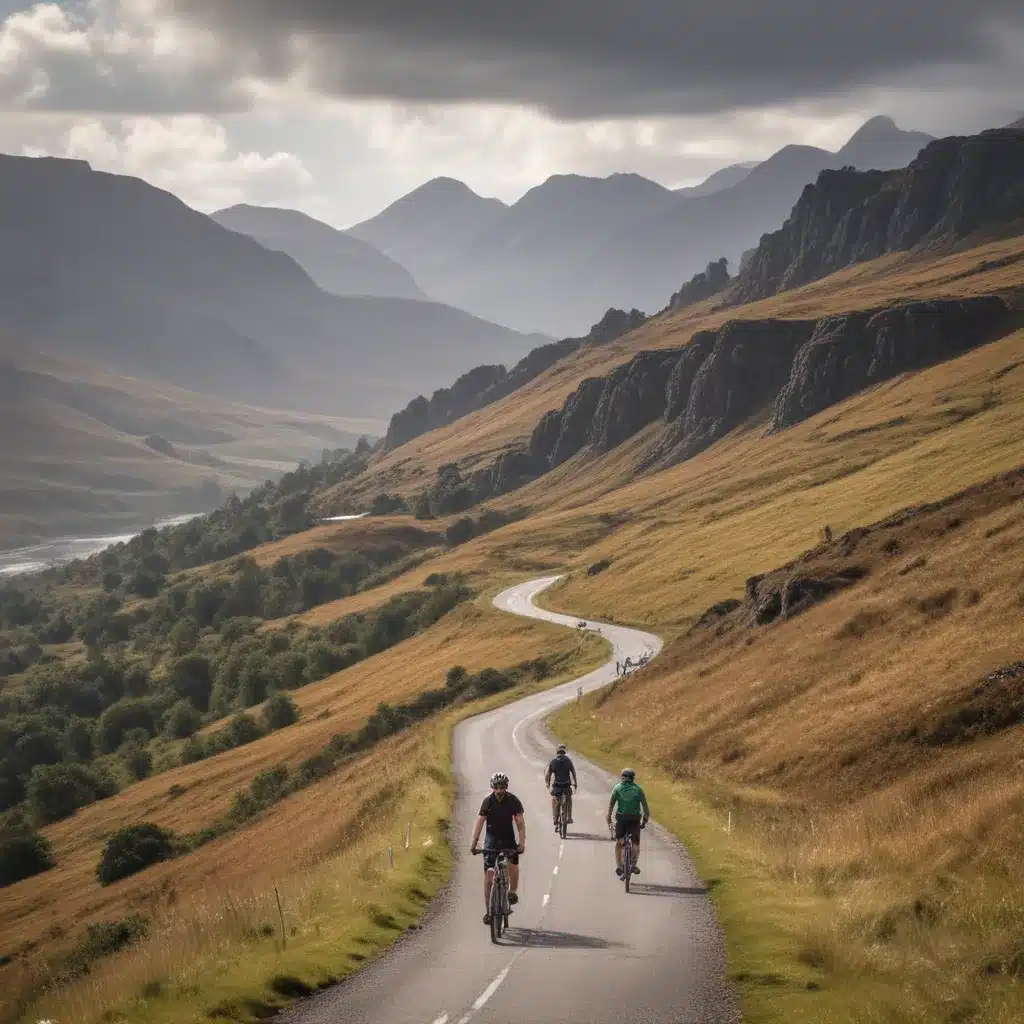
476 851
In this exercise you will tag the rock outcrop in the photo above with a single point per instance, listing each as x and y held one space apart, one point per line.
723 378
702 286
484 385
749 363
633 397
853 351
956 188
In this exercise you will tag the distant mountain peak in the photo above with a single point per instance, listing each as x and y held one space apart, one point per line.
443 185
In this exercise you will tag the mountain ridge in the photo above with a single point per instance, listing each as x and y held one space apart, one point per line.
575 245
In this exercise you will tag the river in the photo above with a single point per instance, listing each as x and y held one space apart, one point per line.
36 557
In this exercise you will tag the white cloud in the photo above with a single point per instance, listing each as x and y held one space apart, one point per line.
189 155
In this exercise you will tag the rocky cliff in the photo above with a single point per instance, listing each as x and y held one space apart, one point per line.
723 378
853 351
955 188
484 385
714 279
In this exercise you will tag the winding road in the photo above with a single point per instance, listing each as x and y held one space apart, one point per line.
579 950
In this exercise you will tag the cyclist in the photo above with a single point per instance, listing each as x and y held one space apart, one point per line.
631 816
562 770
499 812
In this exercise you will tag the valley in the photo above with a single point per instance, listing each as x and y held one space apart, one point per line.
808 485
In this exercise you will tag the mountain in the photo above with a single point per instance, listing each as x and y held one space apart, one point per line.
109 268
574 246
422 228
880 145
956 188
337 262
726 177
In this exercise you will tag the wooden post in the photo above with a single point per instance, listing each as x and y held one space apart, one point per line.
280 914
391 858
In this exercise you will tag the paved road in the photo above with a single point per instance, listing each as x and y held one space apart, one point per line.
579 950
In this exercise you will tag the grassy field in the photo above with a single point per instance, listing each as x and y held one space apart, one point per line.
75 458
871 766
224 886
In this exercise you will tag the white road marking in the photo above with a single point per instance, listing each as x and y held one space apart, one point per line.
555 872
547 900
515 740
491 989
561 849
443 1019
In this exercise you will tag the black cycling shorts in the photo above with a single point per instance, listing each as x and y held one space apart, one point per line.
627 827
558 788
491 858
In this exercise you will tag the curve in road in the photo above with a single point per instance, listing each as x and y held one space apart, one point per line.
579 950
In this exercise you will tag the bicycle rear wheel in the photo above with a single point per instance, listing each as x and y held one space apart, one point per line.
496 908
627 863
563 816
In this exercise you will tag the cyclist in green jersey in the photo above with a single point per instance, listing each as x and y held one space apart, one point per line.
631 816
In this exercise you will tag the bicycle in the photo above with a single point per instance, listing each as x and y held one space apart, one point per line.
627 857
499 908
563 813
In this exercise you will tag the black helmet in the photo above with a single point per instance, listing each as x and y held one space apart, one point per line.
628 773
499 779
560 749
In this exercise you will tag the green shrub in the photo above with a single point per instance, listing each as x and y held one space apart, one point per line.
133 849
182 720
279 712
102 940
23 853
270 785
56 791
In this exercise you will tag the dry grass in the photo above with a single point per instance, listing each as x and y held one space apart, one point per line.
45 915
840 740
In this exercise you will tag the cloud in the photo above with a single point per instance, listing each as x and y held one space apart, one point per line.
189 155
580 59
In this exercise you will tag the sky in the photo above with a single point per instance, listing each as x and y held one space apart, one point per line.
337 107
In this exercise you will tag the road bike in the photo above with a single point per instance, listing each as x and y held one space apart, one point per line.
499 909
563 813
627 857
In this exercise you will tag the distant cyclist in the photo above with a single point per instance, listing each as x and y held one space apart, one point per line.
499 812
561 770
631 816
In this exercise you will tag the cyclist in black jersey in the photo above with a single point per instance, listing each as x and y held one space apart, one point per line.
561 770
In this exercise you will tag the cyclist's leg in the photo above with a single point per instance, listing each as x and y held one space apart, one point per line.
554 804
568 803
635 832
620 834
488 881
513 877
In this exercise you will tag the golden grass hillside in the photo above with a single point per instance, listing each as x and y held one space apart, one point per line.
75 458
45 916
476 439
869 752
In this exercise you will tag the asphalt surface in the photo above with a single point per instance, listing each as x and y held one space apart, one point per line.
579 949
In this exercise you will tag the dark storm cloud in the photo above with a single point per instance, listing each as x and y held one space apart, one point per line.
593 58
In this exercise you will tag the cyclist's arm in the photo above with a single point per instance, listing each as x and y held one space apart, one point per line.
643 804
477 829
572 768
521 829
612 803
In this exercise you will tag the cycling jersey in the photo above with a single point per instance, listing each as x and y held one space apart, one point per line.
562 770
630 799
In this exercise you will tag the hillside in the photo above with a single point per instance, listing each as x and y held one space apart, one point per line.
89 451
573 246
955 189
349 619
336 261
108 268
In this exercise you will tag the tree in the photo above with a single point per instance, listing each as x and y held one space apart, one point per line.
182 720
133 849
184 636
121 717
279 712
56 791
23 853
191 678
